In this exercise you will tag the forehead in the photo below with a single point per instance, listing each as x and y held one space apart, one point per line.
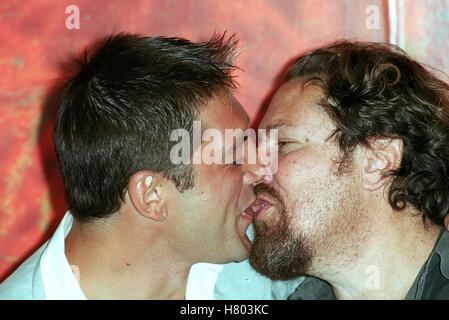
295 106
224 112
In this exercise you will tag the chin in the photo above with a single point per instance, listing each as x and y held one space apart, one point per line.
245 254
234 250
243 244
241 251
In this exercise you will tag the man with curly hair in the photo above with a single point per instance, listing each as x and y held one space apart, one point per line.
362 188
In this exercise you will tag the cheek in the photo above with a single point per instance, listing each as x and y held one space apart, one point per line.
302 180
223 188
233 183
298 168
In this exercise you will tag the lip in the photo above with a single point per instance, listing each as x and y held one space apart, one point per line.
247 214
257 210
263 212
244 221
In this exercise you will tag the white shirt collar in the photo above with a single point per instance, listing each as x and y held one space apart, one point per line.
58 279
202 280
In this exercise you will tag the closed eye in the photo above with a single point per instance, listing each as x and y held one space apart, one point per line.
283 143
237 163
286 146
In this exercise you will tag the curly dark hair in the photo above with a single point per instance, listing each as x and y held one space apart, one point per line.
377 90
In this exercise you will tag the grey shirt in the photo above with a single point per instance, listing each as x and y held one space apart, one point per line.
432 282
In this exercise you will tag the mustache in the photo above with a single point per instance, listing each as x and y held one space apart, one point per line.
263 188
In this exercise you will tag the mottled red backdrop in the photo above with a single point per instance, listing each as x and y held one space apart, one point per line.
34 39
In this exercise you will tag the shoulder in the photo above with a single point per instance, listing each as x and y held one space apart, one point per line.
26 282
436 275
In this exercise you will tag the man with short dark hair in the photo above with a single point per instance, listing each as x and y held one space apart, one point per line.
362 188
138 221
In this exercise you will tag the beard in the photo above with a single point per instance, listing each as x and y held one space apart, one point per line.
277 252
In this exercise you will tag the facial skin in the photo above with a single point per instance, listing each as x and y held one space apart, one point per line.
208 224
314 209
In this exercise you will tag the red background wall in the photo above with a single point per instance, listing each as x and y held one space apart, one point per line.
34 40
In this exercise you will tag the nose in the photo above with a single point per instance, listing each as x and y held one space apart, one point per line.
253 168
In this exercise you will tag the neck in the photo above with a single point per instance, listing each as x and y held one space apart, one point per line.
384 264
118 264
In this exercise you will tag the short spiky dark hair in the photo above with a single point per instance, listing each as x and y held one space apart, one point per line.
376 90
116 113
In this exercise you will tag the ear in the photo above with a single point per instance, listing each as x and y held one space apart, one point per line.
383 156
446 222
145 194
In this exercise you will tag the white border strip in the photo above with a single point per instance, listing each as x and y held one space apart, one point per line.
396 22
393 21
401 21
